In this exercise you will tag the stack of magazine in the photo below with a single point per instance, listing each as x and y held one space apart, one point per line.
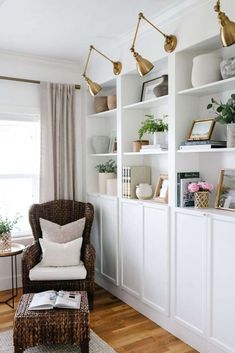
153 148
51 299
202 145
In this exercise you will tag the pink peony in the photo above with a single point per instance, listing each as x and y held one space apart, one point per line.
193 187
205 186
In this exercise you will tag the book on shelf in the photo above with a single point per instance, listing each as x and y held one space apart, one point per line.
51 299
132 176
202 145
184 197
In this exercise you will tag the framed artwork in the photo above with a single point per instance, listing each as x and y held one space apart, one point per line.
225 195
147 89
161 191
113 143
202 129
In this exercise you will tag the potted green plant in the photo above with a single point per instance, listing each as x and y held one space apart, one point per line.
106 171
6 226
225 114
157 127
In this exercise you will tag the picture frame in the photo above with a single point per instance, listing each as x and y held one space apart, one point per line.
225 194
201 129
147 89
161 191
113 143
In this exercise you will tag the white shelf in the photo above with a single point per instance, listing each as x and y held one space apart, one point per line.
215 87
213 150
207 211
103 154
144 154
146 104
106 114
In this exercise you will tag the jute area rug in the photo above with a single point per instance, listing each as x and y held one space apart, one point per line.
96 345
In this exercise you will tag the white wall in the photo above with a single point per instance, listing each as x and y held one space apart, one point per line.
17 97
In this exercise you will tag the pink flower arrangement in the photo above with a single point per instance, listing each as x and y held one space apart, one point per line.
200 186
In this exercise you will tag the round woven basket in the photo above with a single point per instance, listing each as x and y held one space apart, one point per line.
201 199
5 241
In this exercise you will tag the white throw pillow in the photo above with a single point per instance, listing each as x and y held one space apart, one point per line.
62 234
54 254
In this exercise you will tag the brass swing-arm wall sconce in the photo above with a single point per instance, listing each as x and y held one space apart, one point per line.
143 65
94 87
227 31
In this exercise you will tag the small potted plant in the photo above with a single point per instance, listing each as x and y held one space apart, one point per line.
157 127
106 171
201 191
225 114
6 226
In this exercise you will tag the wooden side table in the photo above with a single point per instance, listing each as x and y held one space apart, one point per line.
15 250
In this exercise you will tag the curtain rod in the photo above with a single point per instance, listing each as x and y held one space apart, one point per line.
26 80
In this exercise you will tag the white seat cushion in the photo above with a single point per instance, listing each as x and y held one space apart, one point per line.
41 273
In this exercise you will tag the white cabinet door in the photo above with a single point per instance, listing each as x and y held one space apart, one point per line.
156 258
109 237
189 296
221 278
95 230
131 246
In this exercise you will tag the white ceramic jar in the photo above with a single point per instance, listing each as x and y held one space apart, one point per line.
206 69
144 191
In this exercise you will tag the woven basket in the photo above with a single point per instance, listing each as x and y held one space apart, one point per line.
201 199
5 241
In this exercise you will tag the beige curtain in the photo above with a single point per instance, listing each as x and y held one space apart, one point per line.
58 152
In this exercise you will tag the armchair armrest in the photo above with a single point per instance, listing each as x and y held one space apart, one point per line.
89 261
30 257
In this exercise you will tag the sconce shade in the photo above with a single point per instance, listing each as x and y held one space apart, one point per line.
94 88
143 65
227 32
117 67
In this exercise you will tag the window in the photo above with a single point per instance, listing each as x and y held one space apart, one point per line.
19 169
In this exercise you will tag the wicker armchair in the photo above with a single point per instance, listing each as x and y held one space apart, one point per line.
60 212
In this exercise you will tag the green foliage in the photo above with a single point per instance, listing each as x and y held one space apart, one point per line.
6 225
152 125
108 167
225 112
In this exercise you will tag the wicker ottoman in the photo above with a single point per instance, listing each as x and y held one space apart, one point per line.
56 326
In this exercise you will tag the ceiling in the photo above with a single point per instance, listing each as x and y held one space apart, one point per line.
63 29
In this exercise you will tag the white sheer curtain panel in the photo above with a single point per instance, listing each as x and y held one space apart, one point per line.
58 152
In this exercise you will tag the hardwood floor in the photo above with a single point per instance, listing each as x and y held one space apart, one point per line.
126 330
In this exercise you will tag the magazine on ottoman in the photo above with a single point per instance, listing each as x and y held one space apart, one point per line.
51 299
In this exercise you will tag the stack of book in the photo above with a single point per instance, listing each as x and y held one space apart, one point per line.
153 148
184 197
202 145
131 177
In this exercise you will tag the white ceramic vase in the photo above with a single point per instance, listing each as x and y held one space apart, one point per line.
111 187
160 138
100 144
144 191
231 135
103 177
206 69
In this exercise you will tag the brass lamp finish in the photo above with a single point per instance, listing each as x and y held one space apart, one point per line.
227 31
143 65
95 88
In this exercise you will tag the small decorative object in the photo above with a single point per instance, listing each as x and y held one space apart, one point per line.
157 127
113 144
100 144
225 195
201 191
112 187
6 227
144 191
161 191
206 69
101 104
138 144
227 68
112 102
149 86
202 129
162 87
225 115
106 171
